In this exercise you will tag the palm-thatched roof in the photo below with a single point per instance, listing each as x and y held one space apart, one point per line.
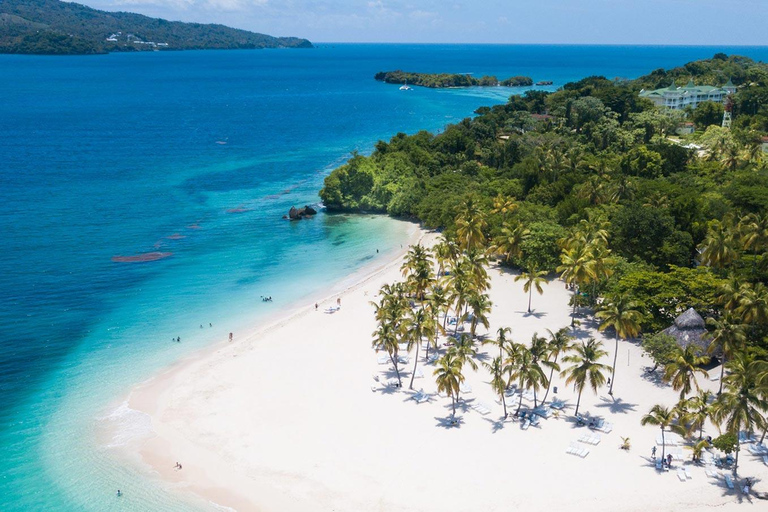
689 328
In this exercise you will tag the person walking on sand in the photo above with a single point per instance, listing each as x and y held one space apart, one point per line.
653 453
315 306
338 301
230 337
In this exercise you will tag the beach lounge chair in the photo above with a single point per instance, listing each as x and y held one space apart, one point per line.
404 359
432 358
712 473
544 412
688 474
525 424
481 408
528 394
420 397
402 346
465 388
533 419
729 481
681 475
383 359
765 460
746 437
557 404
419 374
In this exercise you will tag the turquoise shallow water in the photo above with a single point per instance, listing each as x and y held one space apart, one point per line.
116 155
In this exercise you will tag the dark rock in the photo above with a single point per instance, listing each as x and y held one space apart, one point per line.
293 213
308 210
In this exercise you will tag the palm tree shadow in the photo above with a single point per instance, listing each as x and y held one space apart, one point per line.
534 313
654 378
498 424
388 390
450 421
617 405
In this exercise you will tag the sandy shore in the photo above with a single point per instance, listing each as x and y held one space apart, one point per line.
286 420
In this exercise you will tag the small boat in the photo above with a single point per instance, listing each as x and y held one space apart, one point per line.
544 82
405 87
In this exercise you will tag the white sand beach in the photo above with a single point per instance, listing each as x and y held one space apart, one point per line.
286 420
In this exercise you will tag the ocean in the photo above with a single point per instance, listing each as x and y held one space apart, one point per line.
193 157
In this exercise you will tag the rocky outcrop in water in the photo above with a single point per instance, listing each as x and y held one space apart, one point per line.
300 213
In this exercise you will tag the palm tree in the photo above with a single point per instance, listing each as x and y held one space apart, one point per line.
729 293
526 371
559 343
753 306
662 417
438 303
586 369
498 381
385 338
501 340
699 410
480 306
540 353
719 246
470 226
446 254
417 269
576 269
754 235
464 351
417 325
620 314
533 279
681 371
725 339
510 242
449 377
743 401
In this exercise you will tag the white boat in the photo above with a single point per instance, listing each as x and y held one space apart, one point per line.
405 87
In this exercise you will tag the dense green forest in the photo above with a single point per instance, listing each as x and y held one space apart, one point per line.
439 80
52 27
594 158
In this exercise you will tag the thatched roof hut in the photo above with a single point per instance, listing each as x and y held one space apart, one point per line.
689 328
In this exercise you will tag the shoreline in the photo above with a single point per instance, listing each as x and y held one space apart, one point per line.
135 403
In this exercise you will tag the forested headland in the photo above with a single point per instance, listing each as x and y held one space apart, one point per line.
595 176
442 80
51 27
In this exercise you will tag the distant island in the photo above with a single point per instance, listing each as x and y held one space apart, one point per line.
51 27
441 80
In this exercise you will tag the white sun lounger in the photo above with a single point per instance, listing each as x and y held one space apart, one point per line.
606 428
383 359
746 437
533 419
765 460
419 374
465 388
526 423
528 394
481 408
728 481
688 474
402 346
681 475
712 473
432 358
544 412
404 359
557 404
420 397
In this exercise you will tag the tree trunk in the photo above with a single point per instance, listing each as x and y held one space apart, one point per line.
613 370
573 313
530 294
520 403
535 405
397 370
736 462
722 372
663 446
578 401
415 362
453 405
763 436
504 403
549 384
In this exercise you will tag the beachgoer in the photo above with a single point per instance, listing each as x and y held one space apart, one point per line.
119 493
669 460
178 339
230 336
210 325
315 306
338 301
653 453
201 326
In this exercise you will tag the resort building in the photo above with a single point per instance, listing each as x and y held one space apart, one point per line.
691 95
689 329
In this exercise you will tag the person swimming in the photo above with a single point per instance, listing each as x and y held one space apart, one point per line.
119 493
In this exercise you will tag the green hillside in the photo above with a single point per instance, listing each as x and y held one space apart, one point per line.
52 27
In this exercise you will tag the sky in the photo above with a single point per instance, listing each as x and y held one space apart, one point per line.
686 22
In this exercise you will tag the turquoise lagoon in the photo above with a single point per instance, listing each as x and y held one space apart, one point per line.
198 154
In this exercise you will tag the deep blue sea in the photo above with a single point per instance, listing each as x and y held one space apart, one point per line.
197 154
